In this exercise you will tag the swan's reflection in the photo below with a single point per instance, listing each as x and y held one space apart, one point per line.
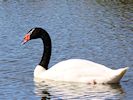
62 90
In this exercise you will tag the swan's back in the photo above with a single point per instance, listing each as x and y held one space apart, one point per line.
78 70
78 65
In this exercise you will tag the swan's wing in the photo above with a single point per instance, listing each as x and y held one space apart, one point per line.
78 70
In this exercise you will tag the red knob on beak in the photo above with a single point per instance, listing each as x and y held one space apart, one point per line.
26 38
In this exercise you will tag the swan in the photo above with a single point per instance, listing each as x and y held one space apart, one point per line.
71 70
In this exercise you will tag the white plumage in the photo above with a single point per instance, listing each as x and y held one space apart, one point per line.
79 70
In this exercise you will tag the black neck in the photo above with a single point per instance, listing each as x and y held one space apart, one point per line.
47 49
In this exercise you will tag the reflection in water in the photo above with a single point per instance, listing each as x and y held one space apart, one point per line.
62 90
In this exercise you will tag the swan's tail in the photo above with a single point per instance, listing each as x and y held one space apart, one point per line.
118 74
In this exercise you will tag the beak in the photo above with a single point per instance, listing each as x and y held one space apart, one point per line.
23 42
26 39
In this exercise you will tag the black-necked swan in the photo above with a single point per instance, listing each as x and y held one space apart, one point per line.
72 70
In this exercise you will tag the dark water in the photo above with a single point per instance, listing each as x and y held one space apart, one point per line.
97 30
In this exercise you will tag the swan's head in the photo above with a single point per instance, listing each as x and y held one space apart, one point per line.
34 33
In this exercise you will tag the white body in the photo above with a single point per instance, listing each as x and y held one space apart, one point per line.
79 70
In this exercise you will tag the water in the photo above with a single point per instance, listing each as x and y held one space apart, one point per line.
97 30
